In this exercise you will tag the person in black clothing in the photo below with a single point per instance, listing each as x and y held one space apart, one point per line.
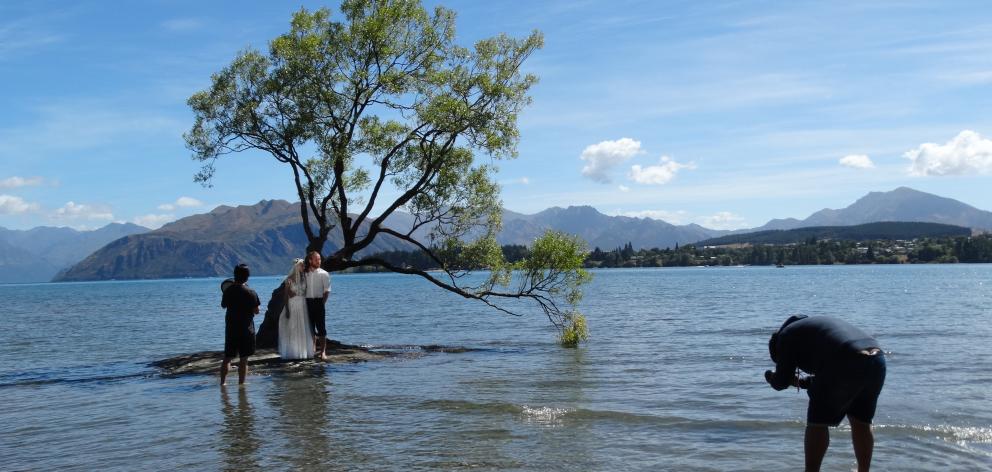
239 324
846 370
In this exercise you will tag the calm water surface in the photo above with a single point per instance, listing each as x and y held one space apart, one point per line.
671 380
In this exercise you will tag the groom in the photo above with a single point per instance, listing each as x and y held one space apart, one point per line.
318 287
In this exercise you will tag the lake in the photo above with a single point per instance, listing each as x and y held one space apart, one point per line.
670 380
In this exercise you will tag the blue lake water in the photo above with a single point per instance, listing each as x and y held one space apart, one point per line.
671 379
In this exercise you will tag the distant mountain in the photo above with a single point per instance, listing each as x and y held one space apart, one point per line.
901 204
37 254
266 236
865 232
20 266
599 230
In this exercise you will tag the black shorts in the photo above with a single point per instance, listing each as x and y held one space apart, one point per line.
850 389
239 342
315 308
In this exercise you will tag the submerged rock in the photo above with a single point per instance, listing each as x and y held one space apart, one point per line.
268 360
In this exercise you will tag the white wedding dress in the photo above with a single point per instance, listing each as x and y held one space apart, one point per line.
295 339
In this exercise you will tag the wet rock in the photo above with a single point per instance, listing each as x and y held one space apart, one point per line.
265 360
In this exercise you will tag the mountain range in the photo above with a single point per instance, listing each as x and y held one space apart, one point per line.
266 236
901 204
599 230
37 254
269 234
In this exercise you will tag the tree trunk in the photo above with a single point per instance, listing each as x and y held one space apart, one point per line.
267 336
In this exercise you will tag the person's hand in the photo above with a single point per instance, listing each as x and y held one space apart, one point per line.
768 376
803 382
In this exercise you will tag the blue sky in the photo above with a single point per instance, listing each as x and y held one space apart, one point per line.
725 114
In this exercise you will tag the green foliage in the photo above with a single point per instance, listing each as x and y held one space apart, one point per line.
574 332
377 101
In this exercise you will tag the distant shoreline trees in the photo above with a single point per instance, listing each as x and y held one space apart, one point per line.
975 249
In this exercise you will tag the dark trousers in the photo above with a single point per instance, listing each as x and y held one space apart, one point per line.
315 308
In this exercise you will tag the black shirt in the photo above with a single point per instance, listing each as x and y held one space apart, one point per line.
816 344
241 303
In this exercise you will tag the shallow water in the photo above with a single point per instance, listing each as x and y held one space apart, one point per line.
671 380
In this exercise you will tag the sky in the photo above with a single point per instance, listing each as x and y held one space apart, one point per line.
724 114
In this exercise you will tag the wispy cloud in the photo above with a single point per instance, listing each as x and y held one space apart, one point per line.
154 221
15 182
857 161
77 211
674 217
659 174
24 36
965 154
13 205
181 202
718 220
723 220
520 181
86 124
179 25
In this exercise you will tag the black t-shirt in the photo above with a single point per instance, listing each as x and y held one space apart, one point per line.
815 344
241 303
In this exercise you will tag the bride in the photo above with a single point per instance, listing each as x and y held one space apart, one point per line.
295 339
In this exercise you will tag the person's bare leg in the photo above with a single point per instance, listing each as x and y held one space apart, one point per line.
242 370
323 348
816 444
223 371
864 443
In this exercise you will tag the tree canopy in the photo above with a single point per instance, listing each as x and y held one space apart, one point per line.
383 112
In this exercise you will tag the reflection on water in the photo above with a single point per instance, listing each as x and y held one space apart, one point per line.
239 441
302 405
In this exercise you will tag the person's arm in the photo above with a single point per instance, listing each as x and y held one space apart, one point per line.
327 287
781 378
785 369
258 303
223 300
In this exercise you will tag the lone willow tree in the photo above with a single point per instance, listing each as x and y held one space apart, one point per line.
383 112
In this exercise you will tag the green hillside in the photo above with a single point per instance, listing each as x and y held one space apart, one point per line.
865 232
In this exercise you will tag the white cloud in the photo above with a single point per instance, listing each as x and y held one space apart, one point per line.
154 221
624 188
602 157
660 174
188 202
11 205
78 211
14 182
965 154
857 161
181 202
723 220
